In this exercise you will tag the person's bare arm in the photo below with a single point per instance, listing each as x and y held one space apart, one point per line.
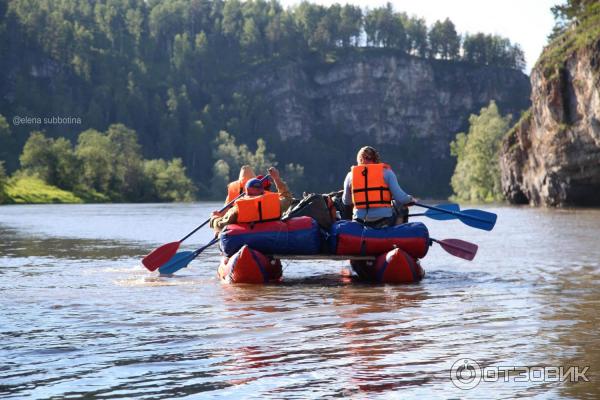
218 221
285 196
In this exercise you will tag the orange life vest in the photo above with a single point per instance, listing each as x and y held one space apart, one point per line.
369 189
265 207
234 189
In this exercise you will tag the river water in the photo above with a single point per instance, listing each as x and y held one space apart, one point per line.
80 316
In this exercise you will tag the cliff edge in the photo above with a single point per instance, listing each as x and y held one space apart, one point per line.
552 156
410 108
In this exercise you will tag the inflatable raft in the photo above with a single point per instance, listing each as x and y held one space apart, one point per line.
252 252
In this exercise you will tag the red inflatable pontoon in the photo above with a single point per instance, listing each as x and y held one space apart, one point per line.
249 266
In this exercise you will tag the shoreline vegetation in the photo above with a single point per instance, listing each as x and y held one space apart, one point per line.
169 70
32 190
102 167
107 167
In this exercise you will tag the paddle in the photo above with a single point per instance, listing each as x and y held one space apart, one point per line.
183 258
162 254
476 218
458 248
440 216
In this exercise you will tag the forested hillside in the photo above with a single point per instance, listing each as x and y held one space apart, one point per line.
190 77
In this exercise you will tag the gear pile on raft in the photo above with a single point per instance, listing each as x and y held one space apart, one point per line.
365 223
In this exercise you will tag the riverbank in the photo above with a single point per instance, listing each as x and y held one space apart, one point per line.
32 190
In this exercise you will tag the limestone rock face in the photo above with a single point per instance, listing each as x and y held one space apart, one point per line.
409 106
552 157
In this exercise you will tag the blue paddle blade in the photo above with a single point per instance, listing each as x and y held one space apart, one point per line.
442 216
478 219
177 262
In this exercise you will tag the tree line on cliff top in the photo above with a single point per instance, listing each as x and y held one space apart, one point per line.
166 68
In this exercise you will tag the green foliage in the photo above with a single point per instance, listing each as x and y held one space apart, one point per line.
126 161
6 139
293 174
23 189
3 182
94 152
104 167
167 181
385 28
168 70
477 175
492 50
220 178
52 160
231 157
444 42
4 127
416 35
577 27
570 12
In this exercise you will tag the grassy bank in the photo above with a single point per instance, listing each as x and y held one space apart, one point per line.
31 190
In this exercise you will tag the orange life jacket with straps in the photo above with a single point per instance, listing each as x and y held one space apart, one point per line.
234 189
369 189
265 207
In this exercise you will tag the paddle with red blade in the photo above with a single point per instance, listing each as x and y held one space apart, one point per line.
164 253
458 248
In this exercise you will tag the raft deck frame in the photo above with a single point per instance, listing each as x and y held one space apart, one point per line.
330 257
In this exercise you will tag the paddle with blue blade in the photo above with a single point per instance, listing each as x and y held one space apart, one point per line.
438 215
183 258
163 254
476 218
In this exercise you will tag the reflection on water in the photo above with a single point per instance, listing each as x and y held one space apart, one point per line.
82 317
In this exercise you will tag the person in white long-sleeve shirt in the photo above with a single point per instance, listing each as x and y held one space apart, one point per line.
370 187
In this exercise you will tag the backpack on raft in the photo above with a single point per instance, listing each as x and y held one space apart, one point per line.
317 206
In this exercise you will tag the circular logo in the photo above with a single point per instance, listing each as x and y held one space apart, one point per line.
465 373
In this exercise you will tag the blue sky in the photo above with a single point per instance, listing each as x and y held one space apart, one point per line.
527 22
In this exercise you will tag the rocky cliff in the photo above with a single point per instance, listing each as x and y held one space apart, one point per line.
411 108
552 156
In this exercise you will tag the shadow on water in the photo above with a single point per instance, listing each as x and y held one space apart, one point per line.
15 244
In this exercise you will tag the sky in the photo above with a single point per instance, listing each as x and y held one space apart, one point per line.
527 22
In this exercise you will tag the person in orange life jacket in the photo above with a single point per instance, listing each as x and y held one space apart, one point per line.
370 187
235 188
258 205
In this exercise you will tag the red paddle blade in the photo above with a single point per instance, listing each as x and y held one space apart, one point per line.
160 255
459 248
